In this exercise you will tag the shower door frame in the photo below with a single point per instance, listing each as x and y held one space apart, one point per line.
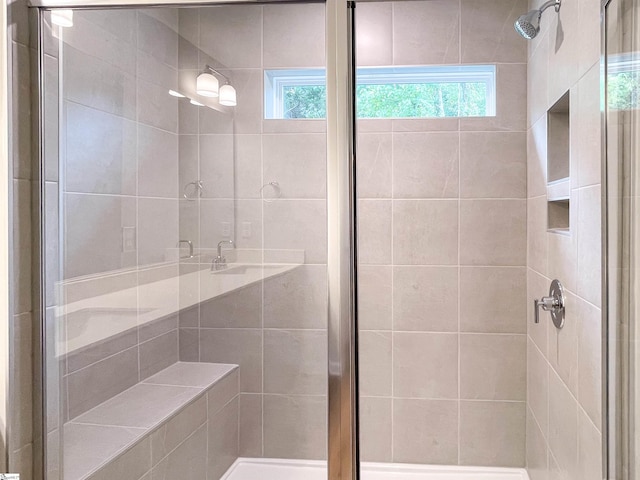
343 448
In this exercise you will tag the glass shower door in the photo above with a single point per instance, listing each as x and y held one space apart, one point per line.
186 241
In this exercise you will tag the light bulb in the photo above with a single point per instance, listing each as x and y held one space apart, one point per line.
207 85
173 93
62 18
227 96
196 103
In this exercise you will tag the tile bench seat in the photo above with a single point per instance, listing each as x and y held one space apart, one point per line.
179 423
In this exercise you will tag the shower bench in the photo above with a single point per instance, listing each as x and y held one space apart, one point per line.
181 422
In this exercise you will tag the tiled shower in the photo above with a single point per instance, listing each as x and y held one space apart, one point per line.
453 246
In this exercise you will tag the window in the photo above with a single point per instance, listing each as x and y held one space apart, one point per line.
388 92
623 81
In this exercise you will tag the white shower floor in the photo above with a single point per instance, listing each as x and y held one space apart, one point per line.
272 469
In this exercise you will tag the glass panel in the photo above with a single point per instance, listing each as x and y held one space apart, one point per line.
442 245
622 60
186 245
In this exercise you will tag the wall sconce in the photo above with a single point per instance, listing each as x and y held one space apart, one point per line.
207 85
62 18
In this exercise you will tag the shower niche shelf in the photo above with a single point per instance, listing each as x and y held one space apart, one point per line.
558 165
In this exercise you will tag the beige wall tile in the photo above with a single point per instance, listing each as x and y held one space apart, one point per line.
589 245
587 127
375 364
295 362
22 239
240 346
102 380
563 426
492 433
287 225
158 353
21 381
240 308
295 426
425 298
216 221
425 165
564 48
537 287
99 249
537 158
248 158
374 297
425 232
101 152
297 162
98 84
375 429
538 387
157 229
158 39
216 166
250 425
131 465
374 161
425 431
171 434
157 163
481 41
563 343
410 34
248 113
222 442
425 365
493 165
294 35
538 81
493 299
537 238
590 361
156 107
374 34
297 299
232 34
374 231
589 449
537 456
492 232
493 367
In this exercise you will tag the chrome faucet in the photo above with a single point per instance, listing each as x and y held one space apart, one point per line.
190 243
220 262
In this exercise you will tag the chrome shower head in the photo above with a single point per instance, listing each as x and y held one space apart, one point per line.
528 25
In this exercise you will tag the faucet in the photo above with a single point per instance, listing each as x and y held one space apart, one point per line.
190 243
220 262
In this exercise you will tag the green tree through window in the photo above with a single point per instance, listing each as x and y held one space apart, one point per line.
403 100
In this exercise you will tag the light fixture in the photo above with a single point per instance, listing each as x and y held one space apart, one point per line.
196 103
207 85
62 18
173 93
227 96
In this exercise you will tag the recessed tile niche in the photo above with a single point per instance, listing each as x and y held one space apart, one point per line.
558 155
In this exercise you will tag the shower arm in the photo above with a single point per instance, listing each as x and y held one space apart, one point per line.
551 3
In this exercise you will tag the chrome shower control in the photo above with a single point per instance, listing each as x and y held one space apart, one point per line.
553 304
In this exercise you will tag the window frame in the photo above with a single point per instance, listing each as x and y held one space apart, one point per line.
276 80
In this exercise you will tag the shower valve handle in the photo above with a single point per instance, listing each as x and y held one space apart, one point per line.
554 304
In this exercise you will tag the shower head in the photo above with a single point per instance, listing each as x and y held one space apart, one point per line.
528 25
